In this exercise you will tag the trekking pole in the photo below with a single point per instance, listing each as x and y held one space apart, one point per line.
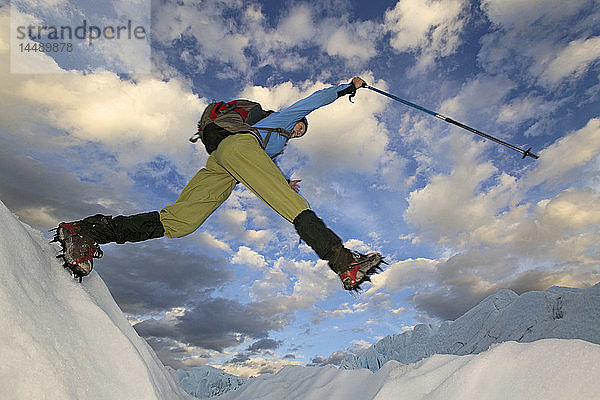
526 153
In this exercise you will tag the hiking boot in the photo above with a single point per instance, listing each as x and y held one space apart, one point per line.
81 240
360 270
353 268
79 248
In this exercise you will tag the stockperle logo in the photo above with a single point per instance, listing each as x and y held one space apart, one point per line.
85 35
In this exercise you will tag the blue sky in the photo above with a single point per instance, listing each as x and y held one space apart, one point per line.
457 218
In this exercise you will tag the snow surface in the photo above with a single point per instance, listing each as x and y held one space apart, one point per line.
544 370
559 312
63 340
60 339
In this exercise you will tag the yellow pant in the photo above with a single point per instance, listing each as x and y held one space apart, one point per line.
239 158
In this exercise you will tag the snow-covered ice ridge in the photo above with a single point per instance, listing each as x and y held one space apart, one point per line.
550 369
559 312
488 363
206 381
60 339
419 364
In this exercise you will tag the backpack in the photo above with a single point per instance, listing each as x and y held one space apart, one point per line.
221 119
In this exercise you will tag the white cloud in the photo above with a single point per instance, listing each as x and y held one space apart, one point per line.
256 366
301 28
355 42
40 216
209 240
429 29
519 14
291 285
48 5
528 35
121 55
253 40
217 38
249 257
274 45
23 62
526 108
554 232
298 26
344 135
572 209
276 97
274 282
102 107
233 217
404 274
482 207
260 238
465 205
342 310
314 281
358 346
240 214
573 60
357 245
565 159
482 95
135 120
399 311
494 238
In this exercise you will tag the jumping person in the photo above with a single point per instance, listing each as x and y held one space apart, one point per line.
236 155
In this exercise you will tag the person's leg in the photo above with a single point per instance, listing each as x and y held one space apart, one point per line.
352 268
123 228
323 241
243 158
80 240
203 194
248 163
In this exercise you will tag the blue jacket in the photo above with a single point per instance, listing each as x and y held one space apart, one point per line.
288 117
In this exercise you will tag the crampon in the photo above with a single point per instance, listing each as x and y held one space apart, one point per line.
78 249
361 270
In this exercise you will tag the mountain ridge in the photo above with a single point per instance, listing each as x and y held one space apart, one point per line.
556 313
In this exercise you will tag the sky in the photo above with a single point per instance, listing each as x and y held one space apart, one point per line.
105 128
